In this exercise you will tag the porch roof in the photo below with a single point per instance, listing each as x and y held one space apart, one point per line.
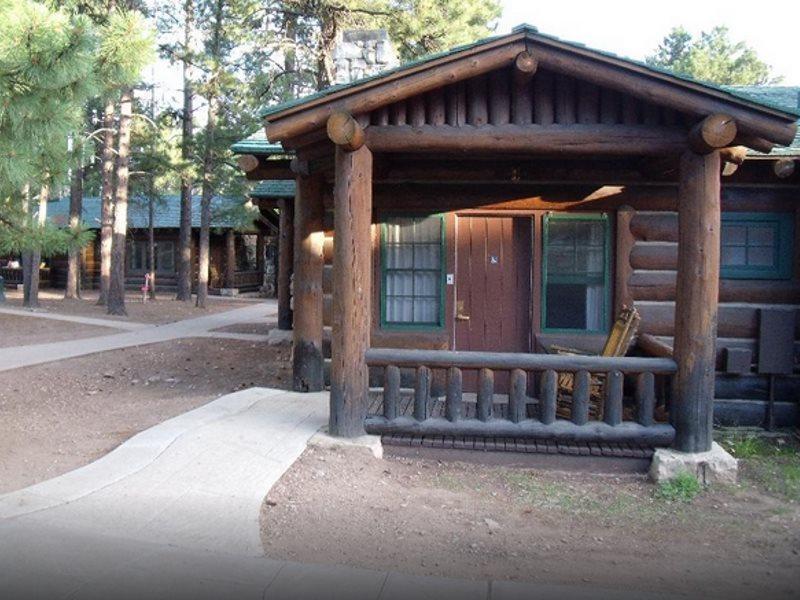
167 212
278 188
295 117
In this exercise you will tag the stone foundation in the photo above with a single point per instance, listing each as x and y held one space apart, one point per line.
714 466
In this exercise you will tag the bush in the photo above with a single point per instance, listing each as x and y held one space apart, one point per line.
681 488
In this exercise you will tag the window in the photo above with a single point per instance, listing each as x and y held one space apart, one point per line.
756 245
165 256
575 273
412 271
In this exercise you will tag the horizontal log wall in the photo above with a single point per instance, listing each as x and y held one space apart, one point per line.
544 99
650 281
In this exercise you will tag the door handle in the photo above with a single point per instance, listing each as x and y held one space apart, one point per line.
460 316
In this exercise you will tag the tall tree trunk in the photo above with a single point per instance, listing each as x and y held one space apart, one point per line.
107 206
26 255
30 287
116 288
290 54
185 242
74 257
208 156
203 266
151 247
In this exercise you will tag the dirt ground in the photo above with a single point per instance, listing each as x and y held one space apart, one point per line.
481 522
257 328
59 416
164 309
19 331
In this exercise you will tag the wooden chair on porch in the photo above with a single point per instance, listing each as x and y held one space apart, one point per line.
617 344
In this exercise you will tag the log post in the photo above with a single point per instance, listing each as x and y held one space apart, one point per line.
696 299
307 359
352 259
285 260
260 246
230 259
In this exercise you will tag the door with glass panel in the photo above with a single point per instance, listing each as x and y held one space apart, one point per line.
493 286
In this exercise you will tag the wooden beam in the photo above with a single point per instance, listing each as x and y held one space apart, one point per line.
394 89
230 258
270 169
712 133
285 260
556 140
307 359
352 264
696 300
247 162
525 65
345 132
660 90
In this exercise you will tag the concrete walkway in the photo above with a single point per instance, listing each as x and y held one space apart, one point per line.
22 356
173 513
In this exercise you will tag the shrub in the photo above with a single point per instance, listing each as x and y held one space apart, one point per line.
681 488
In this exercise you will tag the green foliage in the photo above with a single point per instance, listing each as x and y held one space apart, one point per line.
421 27
771 463
127 45
19 232
713 57
684 487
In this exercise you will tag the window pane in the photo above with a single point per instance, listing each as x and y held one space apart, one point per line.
400 283
561 259
734 256
426 256
761 256
561 233
590 260
734 234
165 261
566 306
426 310
400 256
760 235
426 283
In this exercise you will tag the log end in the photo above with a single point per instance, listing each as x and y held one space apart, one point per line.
343 130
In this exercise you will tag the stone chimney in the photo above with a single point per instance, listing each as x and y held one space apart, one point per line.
361 53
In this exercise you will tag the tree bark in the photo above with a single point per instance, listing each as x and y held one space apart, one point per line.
151 246
285 263
116 288
30 294
107 206
230 259
184 282
73 289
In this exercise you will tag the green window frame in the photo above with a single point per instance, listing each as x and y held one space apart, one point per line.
748 239
387 320
551 276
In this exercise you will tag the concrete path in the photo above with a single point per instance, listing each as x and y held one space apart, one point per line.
21 356
39 314
173 513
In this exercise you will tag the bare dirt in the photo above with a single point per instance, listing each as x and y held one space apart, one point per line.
19 331
59 416
164 309
257 328
480 522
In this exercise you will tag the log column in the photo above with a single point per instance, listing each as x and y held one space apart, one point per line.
352 258
307 359
285 260
230 259
696 300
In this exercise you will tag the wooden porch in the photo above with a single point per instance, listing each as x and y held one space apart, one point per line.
523 99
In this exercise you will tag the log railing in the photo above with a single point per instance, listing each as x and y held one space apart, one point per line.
13 276
528 409
243 279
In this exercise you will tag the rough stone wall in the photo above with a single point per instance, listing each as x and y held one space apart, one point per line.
363 53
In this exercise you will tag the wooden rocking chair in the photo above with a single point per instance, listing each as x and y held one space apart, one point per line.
617 344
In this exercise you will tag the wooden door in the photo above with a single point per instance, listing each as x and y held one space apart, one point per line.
493 286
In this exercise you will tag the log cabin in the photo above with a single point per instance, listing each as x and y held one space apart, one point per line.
460 218
237 244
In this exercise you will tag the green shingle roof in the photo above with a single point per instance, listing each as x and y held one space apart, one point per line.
167 212
257 143
778 95
279 188
529 31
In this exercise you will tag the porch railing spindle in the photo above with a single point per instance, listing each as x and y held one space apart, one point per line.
580 398
391 391
453 402
547 397
485 394
517 396
645 398
422 393
613 398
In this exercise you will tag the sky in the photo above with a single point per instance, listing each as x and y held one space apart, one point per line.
635 28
